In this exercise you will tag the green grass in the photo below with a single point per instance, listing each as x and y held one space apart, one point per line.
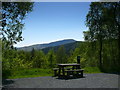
24 73
36 72
92 70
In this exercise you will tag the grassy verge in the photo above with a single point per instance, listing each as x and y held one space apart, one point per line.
36 72
24 73
92 70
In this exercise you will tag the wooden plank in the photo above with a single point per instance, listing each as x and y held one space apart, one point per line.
73 70
68 64
55 68
58 68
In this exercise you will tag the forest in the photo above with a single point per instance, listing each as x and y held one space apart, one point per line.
100 48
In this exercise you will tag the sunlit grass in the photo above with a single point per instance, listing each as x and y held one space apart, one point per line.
92 70
24 73
37 72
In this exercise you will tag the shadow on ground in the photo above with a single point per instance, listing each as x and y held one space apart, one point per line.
7 82
118 73
68 78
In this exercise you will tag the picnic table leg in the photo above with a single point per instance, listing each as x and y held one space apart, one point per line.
55 72
73 69
81 73
59 71
63 72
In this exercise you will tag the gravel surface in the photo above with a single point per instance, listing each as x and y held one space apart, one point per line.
98 80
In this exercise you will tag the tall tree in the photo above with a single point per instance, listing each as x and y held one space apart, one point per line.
103 20
112 20
38 60
51 58
32 53
13 15
94 22
61 55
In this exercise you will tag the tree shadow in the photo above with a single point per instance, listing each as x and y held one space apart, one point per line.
117 73
6 83
111 72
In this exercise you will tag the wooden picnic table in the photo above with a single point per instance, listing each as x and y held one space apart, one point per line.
62 66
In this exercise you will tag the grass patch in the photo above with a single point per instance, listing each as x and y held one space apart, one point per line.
37 72
24 73
92 70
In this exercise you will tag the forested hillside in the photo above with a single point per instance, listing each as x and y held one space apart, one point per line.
68 47
13 58
47 45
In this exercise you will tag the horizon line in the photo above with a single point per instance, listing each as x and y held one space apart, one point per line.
45 42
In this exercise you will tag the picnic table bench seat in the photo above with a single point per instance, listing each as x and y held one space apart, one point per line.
56 69
70 72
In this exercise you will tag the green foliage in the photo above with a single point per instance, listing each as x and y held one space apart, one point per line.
23 73
17 64
104 34
51 58
14 60
70 57
61 55
38 61
13 15
92 70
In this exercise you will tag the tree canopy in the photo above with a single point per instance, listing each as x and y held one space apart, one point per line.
103 20
13 15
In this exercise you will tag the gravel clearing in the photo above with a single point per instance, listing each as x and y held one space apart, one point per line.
98 80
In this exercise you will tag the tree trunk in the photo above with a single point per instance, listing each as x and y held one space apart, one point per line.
100 53
118 45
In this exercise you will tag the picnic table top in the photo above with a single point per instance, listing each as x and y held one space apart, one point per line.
70 64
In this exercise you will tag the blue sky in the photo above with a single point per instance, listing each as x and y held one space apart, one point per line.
53 21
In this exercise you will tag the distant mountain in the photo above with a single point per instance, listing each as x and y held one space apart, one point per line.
43 46
68 47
